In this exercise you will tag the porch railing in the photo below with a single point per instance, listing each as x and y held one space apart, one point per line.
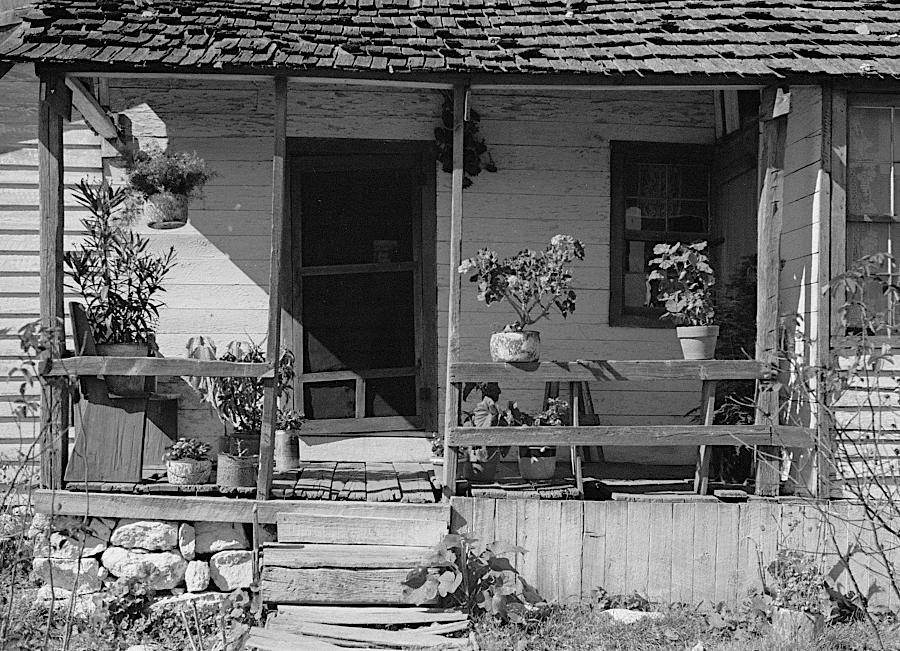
707 434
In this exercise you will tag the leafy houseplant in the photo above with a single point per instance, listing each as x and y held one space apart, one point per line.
685 279
539 463
187 462
533 283
797 589
119 281
287 450
484 581
165 182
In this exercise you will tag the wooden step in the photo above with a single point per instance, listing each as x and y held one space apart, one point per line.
333 586
369 615
372 509
373 636
297 556
356 530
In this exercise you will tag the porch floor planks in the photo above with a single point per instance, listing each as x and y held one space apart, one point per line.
315 480
382 483
415 482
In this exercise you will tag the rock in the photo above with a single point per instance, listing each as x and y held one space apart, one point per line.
186 541
102 528
41 524
159 570
230 570
625 616
66 574
212 537
86 604
205 601
196 577
60 546
144 647
145 534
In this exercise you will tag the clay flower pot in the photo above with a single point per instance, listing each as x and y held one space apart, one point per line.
537 464
182 472
524 346
698 342
166 210
481 465
125 385
236 472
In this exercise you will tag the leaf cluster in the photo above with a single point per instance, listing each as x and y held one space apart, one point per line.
476 156
483 581
114 272
685 279
185 448
155 171
532 282
37 342
796 582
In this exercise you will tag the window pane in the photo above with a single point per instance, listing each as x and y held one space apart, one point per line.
870 134
391 396
869 188
687 216
329 399
694 182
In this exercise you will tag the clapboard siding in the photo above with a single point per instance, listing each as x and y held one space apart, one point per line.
686 552
552 152
19 238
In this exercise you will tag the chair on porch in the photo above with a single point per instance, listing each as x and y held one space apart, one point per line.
115 436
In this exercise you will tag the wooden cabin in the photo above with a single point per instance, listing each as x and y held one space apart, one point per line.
330 228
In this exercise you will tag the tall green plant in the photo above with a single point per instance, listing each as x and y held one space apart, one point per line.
114 272
685 280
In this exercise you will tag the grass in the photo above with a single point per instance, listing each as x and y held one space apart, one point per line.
585 628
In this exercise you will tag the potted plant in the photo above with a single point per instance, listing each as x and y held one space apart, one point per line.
685 279
534 283
187 462
287 451
480 463
797 590
437 459
164 182
537 463
119 281
237 468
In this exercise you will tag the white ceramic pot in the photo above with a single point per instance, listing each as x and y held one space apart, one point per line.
188 471
166 210
125 385
287 450
516 346
698 342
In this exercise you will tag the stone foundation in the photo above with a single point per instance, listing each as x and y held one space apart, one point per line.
83 557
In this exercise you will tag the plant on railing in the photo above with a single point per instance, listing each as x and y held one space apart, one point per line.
187 449
477 581
684 280
114 272
476 156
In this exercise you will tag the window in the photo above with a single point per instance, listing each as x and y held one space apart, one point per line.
660 193
873 192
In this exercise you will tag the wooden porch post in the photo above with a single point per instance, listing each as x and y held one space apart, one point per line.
54 104
453 398
773 132
273 341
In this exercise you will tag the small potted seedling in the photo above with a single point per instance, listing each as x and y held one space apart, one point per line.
187 462
238 468
537 463
685 279
164 182
534 284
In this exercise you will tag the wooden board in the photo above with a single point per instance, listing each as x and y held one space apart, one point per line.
355 530
353 484
396 639
277 640
346 556
415 483
314 482
155 366
382 484
361 616
333 586
609 370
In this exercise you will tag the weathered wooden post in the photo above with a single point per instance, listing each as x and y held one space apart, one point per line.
273 343
773 133
55 104
451 406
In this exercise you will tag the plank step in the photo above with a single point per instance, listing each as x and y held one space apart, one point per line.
358 530
369 615
300 556
380 637
331 586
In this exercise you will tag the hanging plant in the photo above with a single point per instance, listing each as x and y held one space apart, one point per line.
476 156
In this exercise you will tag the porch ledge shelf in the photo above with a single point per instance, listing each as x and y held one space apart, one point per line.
611 371
154 366
642 435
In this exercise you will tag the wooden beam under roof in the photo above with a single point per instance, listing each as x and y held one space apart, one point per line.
94 114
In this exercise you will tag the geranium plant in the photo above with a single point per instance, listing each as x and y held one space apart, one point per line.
478 581
114 272
185 448
532 282
685 279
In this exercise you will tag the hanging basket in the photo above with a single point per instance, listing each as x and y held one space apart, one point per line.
166 210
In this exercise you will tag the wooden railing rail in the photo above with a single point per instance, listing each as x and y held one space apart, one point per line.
153 366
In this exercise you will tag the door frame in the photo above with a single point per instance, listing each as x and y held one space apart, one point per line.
425 299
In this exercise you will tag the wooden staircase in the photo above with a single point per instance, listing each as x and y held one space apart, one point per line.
347 553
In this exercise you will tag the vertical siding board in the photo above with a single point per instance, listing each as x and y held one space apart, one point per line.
659 580
727 553
505 526
527 527
571 537
744 550
616 547
461 509
483 521
705 539
549 521
637 568
594 548
683 552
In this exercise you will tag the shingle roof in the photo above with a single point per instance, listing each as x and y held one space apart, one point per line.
603 37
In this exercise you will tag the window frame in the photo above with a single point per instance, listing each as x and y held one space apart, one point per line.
623 152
